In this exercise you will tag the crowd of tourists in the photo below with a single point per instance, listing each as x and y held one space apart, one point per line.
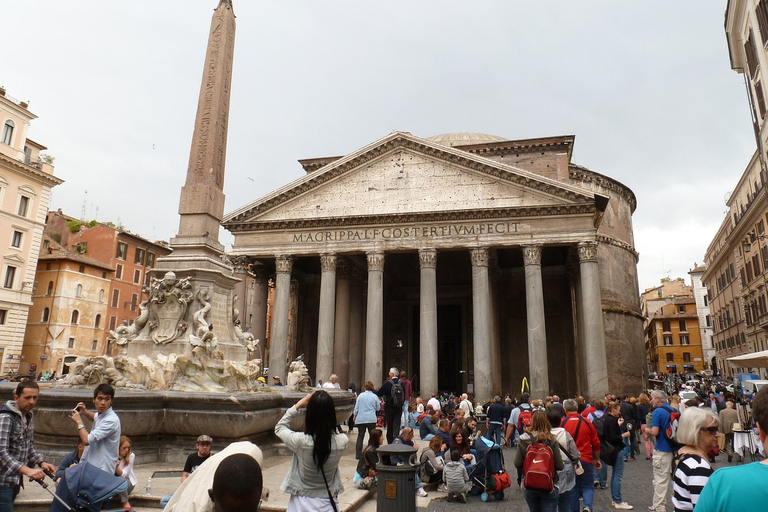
583 439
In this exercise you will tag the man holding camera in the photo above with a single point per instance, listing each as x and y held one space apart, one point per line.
102 444
18 455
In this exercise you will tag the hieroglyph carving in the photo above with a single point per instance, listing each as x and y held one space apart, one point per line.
168 300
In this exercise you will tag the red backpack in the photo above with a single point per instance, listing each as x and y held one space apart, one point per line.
539 468
524 420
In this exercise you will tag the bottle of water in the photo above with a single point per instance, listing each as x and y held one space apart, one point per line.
149 486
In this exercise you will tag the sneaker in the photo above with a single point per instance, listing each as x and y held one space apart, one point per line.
421 493
623 506
632 458
442 488
597 484
586 509
463 497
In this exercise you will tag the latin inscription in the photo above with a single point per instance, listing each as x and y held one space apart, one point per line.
410 232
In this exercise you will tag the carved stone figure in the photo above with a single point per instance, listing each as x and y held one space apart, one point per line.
203 335
298 376
125 333
168 302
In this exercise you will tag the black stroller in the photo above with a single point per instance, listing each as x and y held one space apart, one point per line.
489 476
82 485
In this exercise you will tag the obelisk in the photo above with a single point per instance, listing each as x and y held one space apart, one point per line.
197 253
202 198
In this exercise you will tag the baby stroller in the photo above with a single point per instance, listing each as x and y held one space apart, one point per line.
489 475
81 485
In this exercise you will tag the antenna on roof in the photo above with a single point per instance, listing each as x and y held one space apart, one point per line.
85 202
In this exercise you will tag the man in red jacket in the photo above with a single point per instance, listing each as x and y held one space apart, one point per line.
585 436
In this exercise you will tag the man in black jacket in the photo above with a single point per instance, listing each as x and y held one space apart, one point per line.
392 412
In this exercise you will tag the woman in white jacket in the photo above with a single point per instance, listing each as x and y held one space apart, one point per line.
313 481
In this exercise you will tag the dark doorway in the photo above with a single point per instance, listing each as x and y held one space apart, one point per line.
449 348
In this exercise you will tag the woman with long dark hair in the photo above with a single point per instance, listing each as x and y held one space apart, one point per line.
313 480
366 475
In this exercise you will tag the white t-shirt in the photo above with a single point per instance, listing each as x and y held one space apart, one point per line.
331 385
435 403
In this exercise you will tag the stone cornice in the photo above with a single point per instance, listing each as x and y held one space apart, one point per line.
16 165
577 172
397 141
406 218
620 244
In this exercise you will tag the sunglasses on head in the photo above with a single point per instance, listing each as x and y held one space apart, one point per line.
711 430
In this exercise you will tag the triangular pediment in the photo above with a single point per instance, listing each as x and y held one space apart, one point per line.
13 259
406 175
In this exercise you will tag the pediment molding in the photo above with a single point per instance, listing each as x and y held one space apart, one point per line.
400 141
410 218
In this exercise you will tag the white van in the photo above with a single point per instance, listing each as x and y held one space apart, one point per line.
753 386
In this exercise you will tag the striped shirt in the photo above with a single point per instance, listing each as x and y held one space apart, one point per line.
690 478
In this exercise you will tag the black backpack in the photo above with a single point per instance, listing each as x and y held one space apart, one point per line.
599 424
398 394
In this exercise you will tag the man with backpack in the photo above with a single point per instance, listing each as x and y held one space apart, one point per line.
663 427
585 437
394 398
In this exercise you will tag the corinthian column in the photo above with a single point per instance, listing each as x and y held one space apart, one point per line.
260 297
595 362
428 321
278 349
374 326
356 330
325 322
341 332
537 334
481 325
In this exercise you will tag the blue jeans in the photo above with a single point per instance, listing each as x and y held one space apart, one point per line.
564 502
540 501
584 487
7 495
601 476
629 443
616 474
494 433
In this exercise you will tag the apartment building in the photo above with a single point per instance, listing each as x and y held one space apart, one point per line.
26 180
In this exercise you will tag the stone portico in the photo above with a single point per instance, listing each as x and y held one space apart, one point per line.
467 260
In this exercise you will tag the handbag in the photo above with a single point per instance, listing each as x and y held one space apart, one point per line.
608 453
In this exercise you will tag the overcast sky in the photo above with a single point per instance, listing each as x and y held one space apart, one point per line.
646 88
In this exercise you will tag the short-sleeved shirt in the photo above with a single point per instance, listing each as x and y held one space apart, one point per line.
735 489
660 418
690 477
194 461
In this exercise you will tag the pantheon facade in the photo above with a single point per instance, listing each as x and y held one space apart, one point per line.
472 262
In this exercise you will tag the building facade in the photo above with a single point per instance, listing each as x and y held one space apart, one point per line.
68 317
130 256
701 296
26 181
673 338
469 261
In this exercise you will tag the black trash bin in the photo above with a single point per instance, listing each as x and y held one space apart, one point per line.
397 486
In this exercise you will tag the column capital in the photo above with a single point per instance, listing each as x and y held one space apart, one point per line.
283 264
375 260
427 258
328 262
532 254
239 264
479 257
587 251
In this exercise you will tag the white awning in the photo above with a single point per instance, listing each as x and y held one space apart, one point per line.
751 360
